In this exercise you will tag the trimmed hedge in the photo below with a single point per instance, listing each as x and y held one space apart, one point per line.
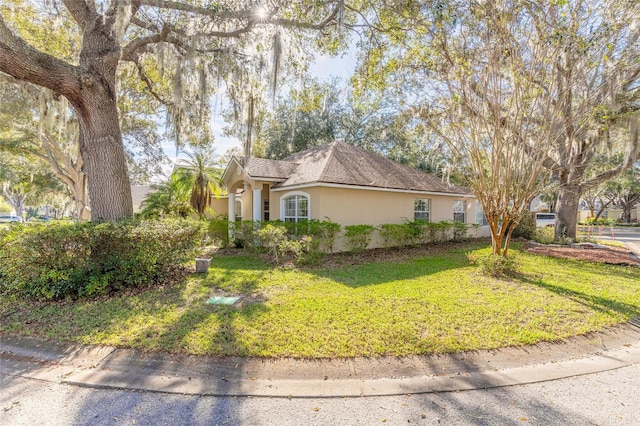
57 260
358 237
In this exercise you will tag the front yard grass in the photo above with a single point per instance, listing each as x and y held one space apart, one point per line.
431 304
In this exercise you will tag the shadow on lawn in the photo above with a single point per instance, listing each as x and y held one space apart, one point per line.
200 327
591 301
376 272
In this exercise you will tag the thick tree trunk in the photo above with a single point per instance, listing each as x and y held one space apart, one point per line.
567 211
101 147
104 158
626 213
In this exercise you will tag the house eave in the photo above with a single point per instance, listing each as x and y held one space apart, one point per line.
367 188
226 170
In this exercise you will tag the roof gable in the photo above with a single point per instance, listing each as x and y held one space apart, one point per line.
260 168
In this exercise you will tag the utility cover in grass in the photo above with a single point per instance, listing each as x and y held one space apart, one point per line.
221 300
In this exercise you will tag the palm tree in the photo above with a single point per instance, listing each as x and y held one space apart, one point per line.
203 174
169 199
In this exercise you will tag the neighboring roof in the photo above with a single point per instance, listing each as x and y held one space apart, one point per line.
139 193
343 164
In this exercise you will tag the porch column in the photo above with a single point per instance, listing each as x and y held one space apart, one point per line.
257 204
231 212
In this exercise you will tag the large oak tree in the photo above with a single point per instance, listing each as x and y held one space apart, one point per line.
195 41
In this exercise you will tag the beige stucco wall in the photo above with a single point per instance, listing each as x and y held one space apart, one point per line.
360 206
219 206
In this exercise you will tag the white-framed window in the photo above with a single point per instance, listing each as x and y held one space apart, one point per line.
422 209
294 207
459 211
265 210
237 207
481 219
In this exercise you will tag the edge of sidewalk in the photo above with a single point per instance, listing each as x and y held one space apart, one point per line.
110 367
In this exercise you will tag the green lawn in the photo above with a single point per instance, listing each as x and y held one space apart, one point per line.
433 304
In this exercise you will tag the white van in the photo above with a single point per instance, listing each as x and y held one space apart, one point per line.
544 219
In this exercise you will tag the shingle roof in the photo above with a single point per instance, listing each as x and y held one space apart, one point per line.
344 164
271 169
341 163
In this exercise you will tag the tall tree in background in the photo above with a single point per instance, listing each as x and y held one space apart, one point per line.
191 42
25 179
584 79
315 112
623 192
34 124
597 77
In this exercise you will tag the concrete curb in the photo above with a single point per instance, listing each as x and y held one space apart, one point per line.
108 367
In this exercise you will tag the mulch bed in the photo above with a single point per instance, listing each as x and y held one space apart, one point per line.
608 255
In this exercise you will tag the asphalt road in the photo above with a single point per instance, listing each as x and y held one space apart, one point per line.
630 236
607 398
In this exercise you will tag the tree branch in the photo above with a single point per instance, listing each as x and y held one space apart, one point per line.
204 11
307 25
22 61
81 11
145 79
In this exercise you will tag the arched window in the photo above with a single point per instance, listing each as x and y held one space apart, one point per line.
295 207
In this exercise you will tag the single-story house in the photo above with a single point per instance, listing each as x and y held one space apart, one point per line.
343 183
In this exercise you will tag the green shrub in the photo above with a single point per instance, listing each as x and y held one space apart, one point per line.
438 230
61 260
526 228
599 222
420 231
544 235
358 237
323 234
246 234
495 265
396 235
274 238
459 230
218 229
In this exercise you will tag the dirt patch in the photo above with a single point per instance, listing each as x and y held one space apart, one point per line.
592 253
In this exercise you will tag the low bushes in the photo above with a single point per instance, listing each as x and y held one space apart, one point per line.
320 234
421 232
274 238
56 260
494 265
396 234
358 237
319 237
